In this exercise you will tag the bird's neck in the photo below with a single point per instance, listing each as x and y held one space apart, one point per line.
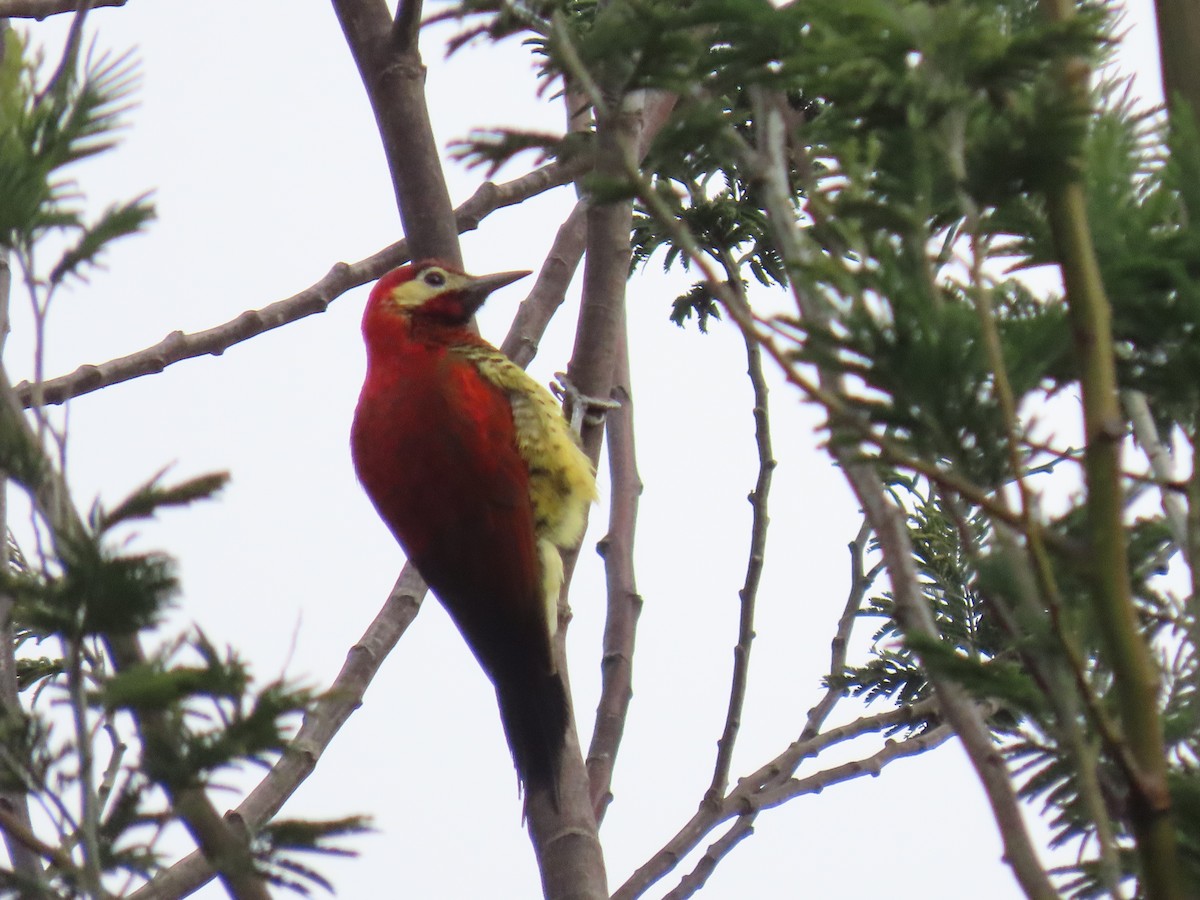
387 334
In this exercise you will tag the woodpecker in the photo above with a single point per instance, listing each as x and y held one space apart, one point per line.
473 468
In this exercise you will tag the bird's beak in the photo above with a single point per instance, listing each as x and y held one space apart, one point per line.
479 287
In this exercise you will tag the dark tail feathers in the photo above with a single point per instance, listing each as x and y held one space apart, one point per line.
534 714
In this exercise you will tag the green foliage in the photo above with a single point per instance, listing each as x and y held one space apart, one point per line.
153 496
281 841
94 587
918 139
45 128
973 648
105 734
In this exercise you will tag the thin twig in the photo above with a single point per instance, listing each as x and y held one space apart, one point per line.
1161 461
872 765
759 523
744 798
743 827
860 582
88 798
691 883
20 832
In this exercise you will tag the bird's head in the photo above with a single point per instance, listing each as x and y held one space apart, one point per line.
434 291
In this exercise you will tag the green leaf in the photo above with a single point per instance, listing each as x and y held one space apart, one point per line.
120 220
152 496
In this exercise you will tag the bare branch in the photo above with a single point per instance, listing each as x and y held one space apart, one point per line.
41 9
394 78
18 831
1161 463
316 298
872 765
746 798
406 26
813 784
759 522
691 883
624 602
575 868
860 582
549 290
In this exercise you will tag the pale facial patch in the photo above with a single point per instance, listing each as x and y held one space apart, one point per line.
428 283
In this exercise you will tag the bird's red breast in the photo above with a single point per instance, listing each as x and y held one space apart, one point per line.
436 449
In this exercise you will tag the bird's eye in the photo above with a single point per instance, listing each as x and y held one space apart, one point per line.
434 279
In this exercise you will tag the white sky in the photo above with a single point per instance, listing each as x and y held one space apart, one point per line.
255 132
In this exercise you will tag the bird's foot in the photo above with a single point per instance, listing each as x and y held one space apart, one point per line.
579 406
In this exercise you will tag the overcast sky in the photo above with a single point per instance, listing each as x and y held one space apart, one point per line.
255 134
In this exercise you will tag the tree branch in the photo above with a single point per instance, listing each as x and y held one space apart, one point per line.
18 831
549 290
759 523
1137 408
860 581
1179 35
14 804
1135 675
41 9
575 868
746 798
624 602
316 298
394 78
320 725
406 27
796 787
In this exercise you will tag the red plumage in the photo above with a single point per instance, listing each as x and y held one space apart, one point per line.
435 447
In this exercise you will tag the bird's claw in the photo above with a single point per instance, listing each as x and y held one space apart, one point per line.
580 407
